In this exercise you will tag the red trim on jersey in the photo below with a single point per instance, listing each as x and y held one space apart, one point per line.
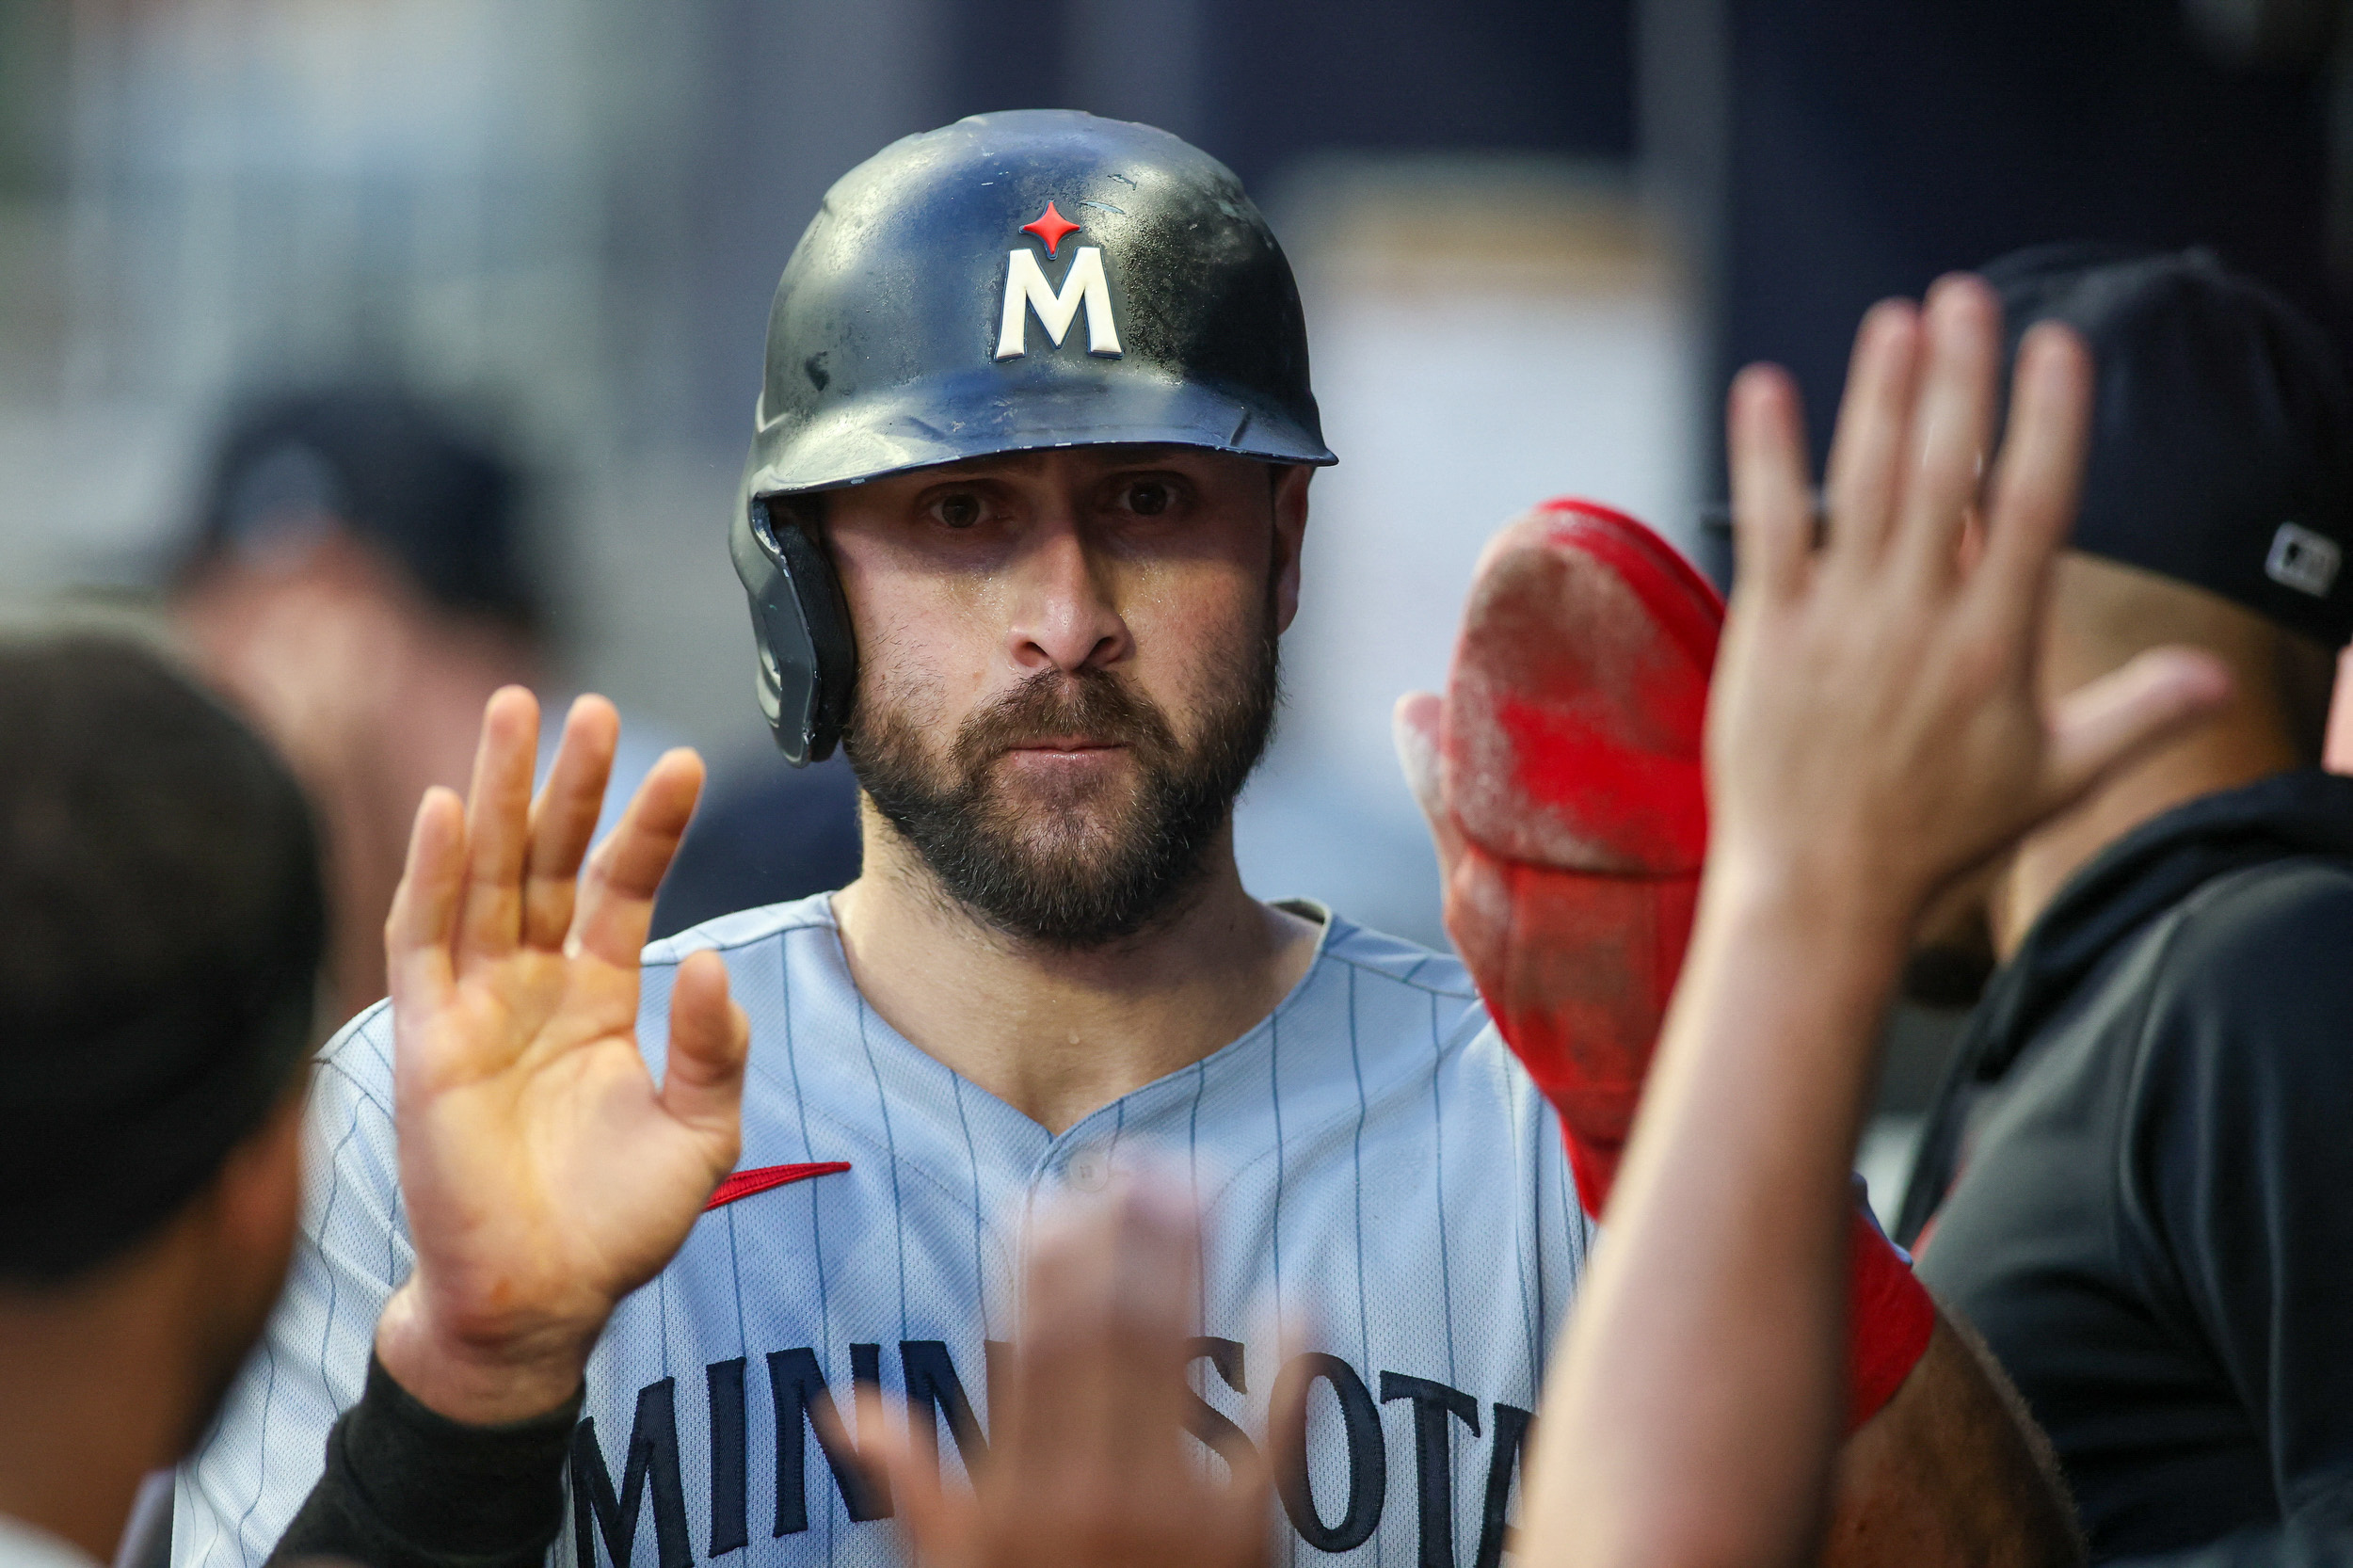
743 1184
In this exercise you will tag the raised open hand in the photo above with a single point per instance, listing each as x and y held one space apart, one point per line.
544 1172
1876 722
1089 1462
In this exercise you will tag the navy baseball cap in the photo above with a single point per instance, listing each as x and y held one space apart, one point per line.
2222 430
439 500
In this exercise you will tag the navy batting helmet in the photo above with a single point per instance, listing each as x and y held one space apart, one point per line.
1012 281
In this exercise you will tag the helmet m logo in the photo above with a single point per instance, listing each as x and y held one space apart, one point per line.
1082 287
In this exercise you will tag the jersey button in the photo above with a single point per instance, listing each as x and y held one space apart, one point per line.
1089 1171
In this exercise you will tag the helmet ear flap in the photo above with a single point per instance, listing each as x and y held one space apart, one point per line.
807 653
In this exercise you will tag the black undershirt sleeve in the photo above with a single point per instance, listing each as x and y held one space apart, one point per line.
406 1488
2239 1155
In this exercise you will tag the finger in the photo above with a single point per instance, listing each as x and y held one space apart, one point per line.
1287 1413
2104 726
1951 429
424 917
1065 1371
1772 505
2336 745
2031 507
616 893
906 1480
1158 1280
1157 1252
563 818
1245 1510
1240 1511
1874 419
1108 1296
1414 729
1951 426
498 818
1285 1451
702 1083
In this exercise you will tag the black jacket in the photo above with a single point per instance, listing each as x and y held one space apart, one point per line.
2153 1225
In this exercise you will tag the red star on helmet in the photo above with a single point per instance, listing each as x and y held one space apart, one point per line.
1051 227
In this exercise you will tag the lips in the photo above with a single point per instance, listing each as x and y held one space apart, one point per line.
1061 745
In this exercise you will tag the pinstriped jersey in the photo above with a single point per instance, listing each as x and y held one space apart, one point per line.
1389 1221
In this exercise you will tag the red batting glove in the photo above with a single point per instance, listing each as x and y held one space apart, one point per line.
1570 764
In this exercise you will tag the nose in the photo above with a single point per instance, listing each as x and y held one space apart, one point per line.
1065 616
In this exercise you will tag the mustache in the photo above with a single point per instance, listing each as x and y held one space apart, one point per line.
1049 705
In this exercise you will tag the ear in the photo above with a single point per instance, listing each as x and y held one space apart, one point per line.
1290 530
257 1196
233 1245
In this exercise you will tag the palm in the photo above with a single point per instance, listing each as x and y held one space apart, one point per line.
1088 1460
539 1150
546 1175
1884 684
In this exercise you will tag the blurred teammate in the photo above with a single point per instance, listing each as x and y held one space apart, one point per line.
160 898
359 585
1561 777
1885 717
1021 531
2137 1169
361 582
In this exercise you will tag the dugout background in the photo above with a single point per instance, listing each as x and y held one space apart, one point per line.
1534 235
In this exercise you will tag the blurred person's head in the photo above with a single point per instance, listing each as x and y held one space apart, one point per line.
375 467
358 583
2216 512
159 888
1022 517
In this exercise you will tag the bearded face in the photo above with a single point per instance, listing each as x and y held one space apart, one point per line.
1083 853
1067 669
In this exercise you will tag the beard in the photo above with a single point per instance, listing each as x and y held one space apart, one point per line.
1088 862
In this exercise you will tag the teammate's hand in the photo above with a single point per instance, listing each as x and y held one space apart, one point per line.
1875 727
544 1173
1089 1460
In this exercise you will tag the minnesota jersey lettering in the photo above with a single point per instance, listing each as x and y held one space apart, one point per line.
604 1527
1391 1229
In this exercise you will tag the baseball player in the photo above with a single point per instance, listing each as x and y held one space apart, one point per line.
1020 529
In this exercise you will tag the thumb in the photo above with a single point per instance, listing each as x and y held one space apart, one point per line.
702 1085
1414 729
2098 728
